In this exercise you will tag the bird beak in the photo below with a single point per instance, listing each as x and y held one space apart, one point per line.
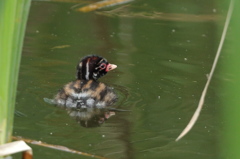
111 67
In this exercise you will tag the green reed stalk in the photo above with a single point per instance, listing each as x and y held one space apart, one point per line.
13 18
231 87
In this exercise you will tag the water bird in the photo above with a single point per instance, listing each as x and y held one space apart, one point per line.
86 91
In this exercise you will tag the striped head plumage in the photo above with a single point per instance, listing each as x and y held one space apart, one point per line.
93 67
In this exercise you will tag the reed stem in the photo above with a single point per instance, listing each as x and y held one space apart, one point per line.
13 18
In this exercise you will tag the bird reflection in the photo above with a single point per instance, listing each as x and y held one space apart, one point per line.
90 117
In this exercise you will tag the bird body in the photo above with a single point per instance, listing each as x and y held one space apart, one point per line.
85 94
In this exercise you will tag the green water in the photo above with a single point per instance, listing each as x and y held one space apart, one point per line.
163 52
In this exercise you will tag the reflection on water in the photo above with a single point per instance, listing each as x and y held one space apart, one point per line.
91 117
162 67
88 116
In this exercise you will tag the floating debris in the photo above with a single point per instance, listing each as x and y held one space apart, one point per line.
56 147
60 47
15 147
125 12
102 4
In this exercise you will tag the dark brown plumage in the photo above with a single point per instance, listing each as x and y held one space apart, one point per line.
85 94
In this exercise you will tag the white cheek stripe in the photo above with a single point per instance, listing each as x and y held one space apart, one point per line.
87 71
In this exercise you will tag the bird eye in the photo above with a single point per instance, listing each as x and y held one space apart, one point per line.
102 66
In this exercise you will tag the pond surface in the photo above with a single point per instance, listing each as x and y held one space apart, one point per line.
164 51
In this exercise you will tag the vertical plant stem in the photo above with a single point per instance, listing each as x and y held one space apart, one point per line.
231 88
13 18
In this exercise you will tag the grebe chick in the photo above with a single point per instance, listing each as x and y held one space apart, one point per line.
86 91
